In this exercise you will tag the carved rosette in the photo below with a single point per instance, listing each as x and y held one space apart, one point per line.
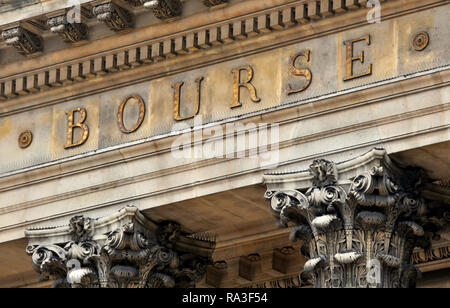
359 235
115 17
25 41
163 9
212 3
131 256
69 32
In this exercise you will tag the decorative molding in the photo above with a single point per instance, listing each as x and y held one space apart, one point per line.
25 41
138 253
444 183
286 260
212 3
69 32
351 230
163 9
118 18
289 282
25 139
421 41
431 255
217 274
114 16
250 267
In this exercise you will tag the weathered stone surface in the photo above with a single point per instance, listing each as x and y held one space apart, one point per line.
25 41
69 32
114 16
403 107
136 254
360 234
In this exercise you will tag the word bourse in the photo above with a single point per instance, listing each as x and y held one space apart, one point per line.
239 84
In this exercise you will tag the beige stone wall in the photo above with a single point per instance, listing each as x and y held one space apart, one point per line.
403 106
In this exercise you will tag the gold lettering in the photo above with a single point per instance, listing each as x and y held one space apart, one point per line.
304 72
177 100
247 84
80 124
119 115
350 58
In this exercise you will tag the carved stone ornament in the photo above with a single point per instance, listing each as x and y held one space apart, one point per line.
211 3
137 253
115 17
25 139
421 41
359 233
163 9
69 32
25 41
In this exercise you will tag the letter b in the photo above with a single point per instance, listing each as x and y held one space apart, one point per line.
80 124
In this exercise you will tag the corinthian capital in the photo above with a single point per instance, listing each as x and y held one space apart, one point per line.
360 230
137 254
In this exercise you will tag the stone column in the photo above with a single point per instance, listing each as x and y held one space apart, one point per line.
358 228
124 250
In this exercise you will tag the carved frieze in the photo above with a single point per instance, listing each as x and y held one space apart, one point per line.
163 9
69 32
136 254
25 41
114 16
360 234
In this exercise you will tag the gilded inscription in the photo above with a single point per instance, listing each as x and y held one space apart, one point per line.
119 115
351 59
237 85
242 80
177 100
301 72
80 124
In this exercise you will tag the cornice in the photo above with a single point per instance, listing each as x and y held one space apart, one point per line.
171 46
105 68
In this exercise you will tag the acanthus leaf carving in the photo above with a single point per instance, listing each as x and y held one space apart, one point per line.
351 230
134 255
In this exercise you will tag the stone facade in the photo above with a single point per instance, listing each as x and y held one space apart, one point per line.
94 96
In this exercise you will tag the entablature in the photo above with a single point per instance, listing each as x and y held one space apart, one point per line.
101 53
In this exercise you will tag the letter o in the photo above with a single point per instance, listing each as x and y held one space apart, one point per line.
141 106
